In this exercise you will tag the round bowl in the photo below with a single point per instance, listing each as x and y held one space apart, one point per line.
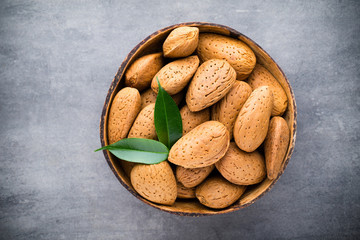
153 43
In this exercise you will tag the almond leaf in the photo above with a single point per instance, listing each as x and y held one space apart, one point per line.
138 150
168 122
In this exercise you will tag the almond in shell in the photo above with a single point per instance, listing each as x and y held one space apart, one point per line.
123 111
127 166
228 108
155 182
241 167
237 53
184 192
217 192
141 72
202 146
252 123
262 77
174 76
211 82
276 145
144 125
181 42
149 96
191 177
192 119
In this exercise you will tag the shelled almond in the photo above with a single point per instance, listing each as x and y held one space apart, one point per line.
275 146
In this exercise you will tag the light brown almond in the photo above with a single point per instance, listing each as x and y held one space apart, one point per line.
217 192
181 42
149 96
228 108
123 111
144 125
212 81
237 53
184 192
202 146
127 166
174 76
178 97
155 182
262 77
142 71
276 145
192 119
252 123
191 177
240 167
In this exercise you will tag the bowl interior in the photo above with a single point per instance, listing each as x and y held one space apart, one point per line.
153 43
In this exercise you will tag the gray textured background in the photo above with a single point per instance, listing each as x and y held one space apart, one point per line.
57 60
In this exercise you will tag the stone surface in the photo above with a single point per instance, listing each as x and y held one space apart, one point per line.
57 60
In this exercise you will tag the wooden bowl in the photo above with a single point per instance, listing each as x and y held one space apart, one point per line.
153 43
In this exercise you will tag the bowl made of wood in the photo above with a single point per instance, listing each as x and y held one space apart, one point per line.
152 44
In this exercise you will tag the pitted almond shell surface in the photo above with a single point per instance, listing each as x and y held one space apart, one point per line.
144 125
217 192
141 72
149 96
181 42
252 123
276 145
192 119
228 108
237 53
262 77
123 111
211 82
241 167
184 192
202 146
155 182
191 177
174 76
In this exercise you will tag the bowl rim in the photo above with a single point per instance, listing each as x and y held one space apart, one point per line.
232 33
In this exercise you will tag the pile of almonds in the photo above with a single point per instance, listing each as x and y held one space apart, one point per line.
233 132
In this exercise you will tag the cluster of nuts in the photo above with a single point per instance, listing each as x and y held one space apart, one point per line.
233 132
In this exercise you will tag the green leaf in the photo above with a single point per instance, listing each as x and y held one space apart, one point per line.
138 150
168 123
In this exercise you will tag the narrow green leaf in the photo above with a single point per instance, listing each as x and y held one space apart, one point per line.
138 150
168 123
